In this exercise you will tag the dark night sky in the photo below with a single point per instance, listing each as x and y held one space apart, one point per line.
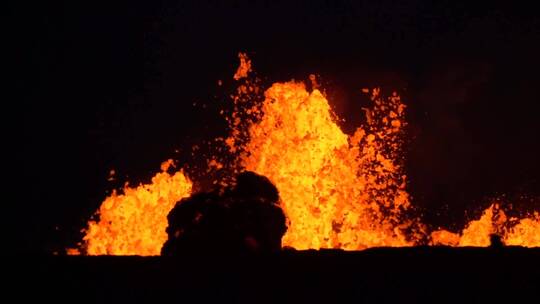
112 87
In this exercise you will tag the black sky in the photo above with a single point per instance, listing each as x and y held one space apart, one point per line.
112 86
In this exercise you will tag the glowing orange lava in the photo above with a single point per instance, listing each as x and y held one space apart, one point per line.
134 223
520 232
244 68
525 233
337 190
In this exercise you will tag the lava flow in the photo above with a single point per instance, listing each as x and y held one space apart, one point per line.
337 190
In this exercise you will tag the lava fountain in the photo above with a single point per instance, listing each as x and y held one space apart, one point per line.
134 222
514 231
338 190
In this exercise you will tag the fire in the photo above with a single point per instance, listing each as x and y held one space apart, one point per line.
134 223
493 221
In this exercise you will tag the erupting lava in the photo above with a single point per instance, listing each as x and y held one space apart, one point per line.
134 223
520 232
337 190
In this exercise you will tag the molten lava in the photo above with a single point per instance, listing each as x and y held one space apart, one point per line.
337 190
520 232
244 68
134 223
525 233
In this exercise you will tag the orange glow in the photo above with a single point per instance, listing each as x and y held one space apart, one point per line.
477 232
338 191
244 68
493 221
134 223
526 233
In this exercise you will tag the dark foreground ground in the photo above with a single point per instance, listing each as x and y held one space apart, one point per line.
404 275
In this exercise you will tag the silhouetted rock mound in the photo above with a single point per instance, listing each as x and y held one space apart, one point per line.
245 217
495 241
